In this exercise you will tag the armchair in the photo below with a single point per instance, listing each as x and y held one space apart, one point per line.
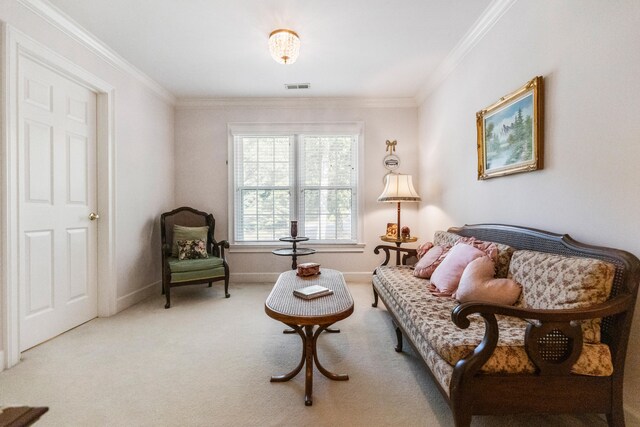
176 272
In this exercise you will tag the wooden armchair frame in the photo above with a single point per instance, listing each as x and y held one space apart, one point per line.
190 217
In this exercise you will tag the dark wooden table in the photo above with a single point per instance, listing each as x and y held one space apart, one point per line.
398 242
20 416
294 252
304 315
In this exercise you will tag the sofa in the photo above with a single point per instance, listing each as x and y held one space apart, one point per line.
559 349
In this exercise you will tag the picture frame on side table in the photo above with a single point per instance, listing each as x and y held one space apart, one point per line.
510 132
392 230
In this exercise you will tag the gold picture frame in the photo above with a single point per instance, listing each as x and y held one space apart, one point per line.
510 132
392 230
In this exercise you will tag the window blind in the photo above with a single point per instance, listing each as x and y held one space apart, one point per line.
310 178
328 183
264 184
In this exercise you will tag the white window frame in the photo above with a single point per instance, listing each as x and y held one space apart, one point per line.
288 129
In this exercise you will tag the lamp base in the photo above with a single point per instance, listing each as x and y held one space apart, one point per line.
398 232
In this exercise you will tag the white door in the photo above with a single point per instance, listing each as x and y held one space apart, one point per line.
57 193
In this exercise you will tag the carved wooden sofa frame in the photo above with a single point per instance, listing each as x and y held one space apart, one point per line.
552 389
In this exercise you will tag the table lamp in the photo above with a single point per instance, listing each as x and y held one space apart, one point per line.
399 188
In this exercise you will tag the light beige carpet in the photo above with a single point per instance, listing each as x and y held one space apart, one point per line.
207 362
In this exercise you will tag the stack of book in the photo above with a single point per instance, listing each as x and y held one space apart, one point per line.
311 292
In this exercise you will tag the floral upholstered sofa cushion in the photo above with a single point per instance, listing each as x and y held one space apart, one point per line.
551 281
427 318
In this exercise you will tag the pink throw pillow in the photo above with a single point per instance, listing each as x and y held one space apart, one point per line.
445 279
425 267
477 284
489 248
423 249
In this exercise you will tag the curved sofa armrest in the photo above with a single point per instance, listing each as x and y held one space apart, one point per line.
613 306
564 321
387 252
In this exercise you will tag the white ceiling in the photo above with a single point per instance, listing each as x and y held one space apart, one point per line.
218 48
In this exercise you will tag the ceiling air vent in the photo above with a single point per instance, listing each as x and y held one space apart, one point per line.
297 85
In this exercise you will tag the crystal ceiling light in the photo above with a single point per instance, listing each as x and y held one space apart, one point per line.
284 46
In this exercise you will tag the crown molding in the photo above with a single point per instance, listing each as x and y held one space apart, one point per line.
478 30
214 103
67 25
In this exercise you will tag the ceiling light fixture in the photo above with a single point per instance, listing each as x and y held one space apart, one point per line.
284 46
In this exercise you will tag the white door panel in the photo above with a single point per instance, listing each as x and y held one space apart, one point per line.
38 93
39 271
77 177
77 248
57 192
38 138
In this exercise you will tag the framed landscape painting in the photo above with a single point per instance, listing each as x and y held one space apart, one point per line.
510 132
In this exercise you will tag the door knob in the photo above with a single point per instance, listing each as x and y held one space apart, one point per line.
93 216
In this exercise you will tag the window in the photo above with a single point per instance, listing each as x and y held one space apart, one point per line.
306 174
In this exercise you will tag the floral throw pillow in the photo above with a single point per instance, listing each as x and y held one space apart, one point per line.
181 232
192 249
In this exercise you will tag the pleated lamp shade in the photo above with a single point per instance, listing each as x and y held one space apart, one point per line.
399 188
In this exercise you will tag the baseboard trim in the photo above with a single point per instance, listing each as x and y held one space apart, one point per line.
136 296
359 277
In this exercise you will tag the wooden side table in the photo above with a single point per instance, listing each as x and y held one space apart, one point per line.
293 252
398 242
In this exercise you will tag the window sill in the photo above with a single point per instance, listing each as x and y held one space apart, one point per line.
319 247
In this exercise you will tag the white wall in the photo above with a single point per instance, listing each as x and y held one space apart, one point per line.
588 52
201 177
145 187
144 136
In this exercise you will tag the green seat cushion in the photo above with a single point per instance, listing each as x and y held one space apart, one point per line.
190 265
187 233
197 275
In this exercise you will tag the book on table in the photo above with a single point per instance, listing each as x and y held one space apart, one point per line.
311 292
